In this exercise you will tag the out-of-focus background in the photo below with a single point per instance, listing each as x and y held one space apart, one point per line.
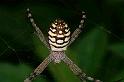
98 51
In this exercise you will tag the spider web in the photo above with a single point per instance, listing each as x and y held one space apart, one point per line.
63 3
9 47
15 52
21 61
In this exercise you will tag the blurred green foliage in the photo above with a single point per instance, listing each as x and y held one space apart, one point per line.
98 51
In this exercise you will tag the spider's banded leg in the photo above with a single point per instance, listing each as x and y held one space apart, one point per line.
77 71
39 69
74 68
76 33
38 31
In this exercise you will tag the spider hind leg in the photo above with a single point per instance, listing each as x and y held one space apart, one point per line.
39 69
77 71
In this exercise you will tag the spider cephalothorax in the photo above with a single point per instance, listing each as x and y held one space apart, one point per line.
59 35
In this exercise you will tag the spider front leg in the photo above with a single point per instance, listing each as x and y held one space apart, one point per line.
77 71
38 31
76 33
39 69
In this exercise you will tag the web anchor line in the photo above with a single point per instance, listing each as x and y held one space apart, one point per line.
8 47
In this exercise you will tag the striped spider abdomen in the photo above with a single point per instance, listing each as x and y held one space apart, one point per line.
59 35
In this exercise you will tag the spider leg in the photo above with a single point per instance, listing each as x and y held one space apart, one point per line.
39 69
76 33
38 31
77 71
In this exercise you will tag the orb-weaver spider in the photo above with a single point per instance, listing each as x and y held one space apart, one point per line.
59 38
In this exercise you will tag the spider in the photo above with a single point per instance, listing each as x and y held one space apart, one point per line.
59 38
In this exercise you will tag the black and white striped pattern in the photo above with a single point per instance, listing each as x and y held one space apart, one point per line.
59 35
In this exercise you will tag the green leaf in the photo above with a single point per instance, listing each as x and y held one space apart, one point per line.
61 73
117 49
15 73
118 77
91 50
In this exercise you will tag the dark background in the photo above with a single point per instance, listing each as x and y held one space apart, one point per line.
98 51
